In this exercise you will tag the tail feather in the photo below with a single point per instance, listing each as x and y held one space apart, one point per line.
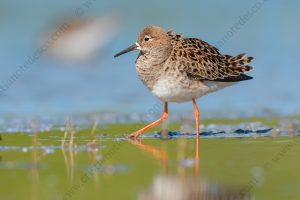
238 64
236 67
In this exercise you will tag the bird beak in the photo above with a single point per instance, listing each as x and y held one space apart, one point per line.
136 46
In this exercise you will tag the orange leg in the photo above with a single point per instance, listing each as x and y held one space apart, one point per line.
141 131
197 114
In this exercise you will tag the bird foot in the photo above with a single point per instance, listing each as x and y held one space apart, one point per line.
133 136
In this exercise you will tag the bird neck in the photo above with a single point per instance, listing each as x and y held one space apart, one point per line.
157 56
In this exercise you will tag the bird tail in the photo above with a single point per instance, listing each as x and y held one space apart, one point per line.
236 67
238 64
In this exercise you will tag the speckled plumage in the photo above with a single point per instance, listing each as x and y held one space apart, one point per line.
178 69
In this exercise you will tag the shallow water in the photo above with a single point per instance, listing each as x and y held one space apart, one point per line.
100 165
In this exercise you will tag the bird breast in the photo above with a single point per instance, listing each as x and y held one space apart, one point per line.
147 70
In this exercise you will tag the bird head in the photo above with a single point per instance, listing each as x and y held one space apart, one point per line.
152 40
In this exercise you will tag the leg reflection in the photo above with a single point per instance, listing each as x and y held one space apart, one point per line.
155 152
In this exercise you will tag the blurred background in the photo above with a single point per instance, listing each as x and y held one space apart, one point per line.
76 72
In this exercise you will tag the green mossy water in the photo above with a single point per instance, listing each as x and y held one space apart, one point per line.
268 167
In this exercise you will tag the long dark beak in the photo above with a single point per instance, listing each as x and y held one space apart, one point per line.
131 48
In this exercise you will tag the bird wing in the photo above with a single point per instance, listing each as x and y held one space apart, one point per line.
202 61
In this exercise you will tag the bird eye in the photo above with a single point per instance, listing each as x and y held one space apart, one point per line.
147 38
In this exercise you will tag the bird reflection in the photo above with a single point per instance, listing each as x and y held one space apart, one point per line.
189 188
155 152
183 186
197 156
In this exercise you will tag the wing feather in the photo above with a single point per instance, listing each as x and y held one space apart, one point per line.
203 61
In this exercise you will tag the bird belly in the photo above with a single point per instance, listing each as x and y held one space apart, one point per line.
173 90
